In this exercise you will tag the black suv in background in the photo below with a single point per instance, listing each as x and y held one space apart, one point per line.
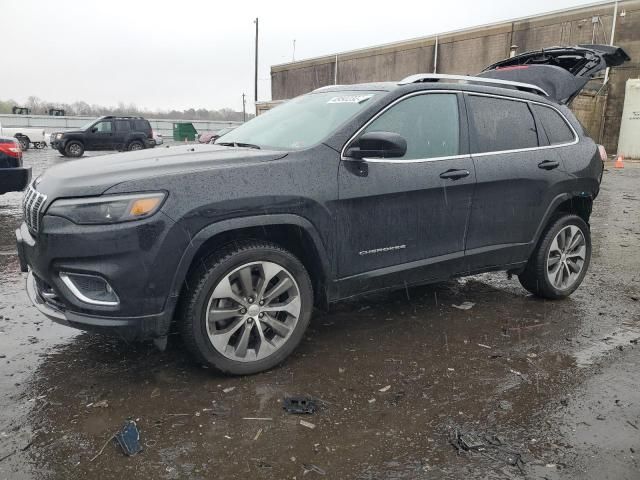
105 133
13 176
347 190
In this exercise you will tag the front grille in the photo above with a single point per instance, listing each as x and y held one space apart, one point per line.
32 205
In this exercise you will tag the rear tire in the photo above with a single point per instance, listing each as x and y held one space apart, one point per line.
135 145
74 149
559 263
24 142
221 316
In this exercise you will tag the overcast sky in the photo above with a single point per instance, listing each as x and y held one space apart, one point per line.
182 54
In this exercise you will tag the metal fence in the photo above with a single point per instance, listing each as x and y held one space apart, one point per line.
163 126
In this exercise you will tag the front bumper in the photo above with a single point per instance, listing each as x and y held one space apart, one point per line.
14 179
150 326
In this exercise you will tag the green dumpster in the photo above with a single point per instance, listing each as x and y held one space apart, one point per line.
184 131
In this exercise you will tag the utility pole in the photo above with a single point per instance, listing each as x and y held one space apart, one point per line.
244 109
256 66
293 57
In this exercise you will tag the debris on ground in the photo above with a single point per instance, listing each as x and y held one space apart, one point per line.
505 405
228 389
100 404
307 424
310 467
490 446
129 438
464 306
484 346
385 389
299 405
258 433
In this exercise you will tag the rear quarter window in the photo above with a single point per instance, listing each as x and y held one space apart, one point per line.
141 125
553 125
499 124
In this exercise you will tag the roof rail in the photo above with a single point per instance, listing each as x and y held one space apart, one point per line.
437 77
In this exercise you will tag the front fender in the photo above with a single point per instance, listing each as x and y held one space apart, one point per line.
239 223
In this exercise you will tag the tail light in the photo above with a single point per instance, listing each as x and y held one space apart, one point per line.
11 149
603 153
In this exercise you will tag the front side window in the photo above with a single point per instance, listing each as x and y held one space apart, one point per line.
302 122
553 125
499 124
429 123
103 127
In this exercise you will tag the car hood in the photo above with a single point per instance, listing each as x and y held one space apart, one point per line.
95 175
562 72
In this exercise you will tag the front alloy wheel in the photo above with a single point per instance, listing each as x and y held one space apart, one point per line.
245 308
253 311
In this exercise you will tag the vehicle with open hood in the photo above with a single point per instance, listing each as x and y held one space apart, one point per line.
344 191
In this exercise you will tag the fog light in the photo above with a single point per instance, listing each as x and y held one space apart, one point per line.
90 288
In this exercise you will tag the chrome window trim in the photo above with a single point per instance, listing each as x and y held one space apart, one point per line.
78 294
576 137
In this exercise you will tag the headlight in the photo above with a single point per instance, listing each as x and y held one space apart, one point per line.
108 209
59 136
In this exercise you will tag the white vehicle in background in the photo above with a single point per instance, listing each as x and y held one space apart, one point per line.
25 136
158 138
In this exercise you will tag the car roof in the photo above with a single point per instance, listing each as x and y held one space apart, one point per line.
420 82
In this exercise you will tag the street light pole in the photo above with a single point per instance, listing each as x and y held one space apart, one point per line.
244 110
256 66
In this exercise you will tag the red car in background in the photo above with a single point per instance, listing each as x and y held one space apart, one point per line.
13 176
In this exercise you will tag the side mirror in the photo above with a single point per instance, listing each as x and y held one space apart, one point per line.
378 145
94 129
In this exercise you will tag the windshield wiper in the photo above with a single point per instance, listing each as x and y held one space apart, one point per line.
237 144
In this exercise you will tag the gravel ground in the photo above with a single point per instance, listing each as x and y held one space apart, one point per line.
555 384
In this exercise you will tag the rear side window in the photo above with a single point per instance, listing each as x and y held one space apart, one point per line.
141 125
429 123
554 126
122 125
500 124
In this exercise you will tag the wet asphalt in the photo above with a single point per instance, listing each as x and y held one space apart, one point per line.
549 389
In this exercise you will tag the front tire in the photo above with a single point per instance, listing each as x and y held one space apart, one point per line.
74 149
246 307
560 261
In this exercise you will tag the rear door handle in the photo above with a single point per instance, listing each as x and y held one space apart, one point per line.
548 165
454 174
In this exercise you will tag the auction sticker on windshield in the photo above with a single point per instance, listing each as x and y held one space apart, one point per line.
350 98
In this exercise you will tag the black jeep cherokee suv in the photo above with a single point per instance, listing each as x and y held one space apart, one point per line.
105 133
346 190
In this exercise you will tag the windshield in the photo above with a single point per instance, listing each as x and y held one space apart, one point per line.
301 122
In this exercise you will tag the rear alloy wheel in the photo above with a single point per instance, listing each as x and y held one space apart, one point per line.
559 264
249 308
136 145
24 142
74 149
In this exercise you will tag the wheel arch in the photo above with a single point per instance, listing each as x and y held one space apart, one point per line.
292 232
566 203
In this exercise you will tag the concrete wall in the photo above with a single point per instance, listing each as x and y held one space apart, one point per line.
50 123
469 51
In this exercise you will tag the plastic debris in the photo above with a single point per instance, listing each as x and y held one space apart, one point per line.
299 405
228 389
307 424
129 438
258 433
385 389
483 345
310 467
464 306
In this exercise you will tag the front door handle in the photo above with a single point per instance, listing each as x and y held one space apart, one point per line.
454 174
548 165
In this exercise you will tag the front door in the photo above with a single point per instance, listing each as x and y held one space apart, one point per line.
410 211
99 137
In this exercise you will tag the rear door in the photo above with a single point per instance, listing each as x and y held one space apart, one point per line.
561 71
411 210
518 174
121 133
